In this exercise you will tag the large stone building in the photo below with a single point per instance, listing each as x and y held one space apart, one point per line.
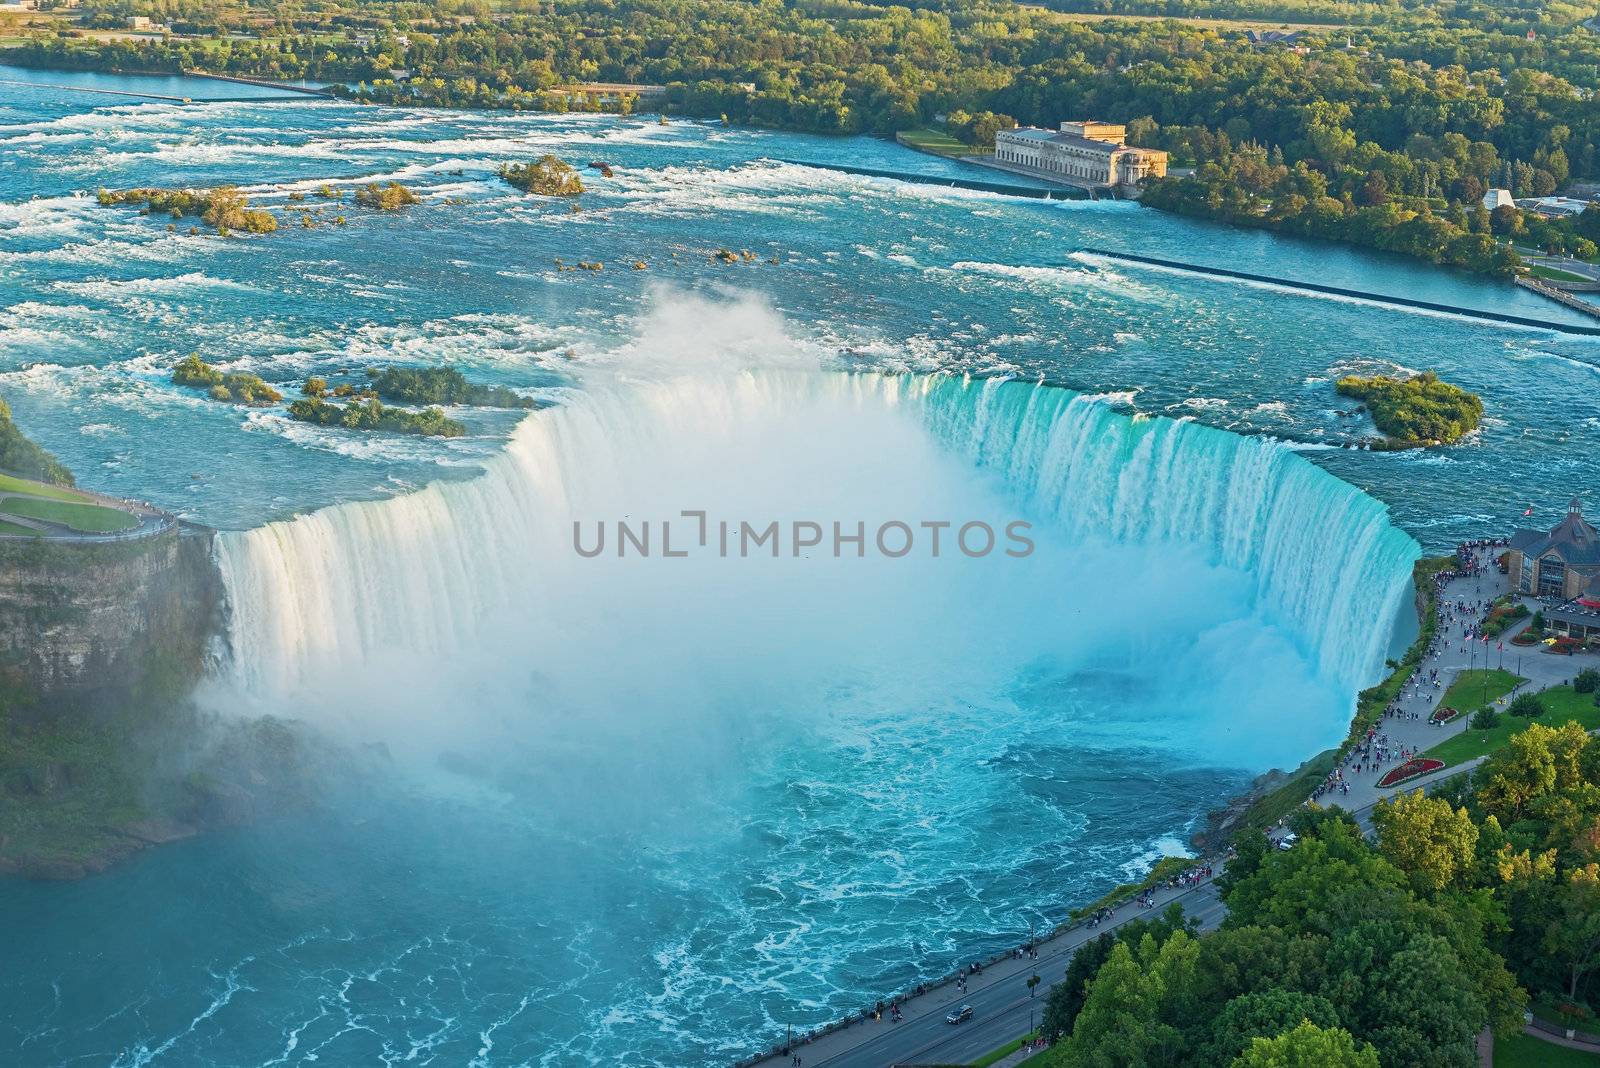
1094 155
1562 562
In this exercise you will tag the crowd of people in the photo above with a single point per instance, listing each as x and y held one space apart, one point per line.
1460 620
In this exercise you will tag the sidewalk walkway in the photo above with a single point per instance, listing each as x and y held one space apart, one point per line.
1452 654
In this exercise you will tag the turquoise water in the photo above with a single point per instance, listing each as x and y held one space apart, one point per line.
642 816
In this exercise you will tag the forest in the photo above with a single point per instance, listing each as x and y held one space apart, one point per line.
1344 952
1380 125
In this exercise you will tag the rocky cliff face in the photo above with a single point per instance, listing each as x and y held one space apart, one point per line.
84 623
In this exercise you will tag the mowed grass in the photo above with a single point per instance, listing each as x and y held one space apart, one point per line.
13 484
88 518
1525 1051
938 142
13 528
1477 687
1555 274
1562 703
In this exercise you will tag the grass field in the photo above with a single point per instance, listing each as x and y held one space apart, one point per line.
1554 275
1524 1051
1477 687
1562 703
88 518
12 528
12 484
938 142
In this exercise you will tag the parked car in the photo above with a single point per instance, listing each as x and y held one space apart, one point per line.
1288 840
961 1015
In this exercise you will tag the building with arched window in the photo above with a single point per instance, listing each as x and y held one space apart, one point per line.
1563 562
1094 155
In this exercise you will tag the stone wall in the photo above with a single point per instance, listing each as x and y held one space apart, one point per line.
82 622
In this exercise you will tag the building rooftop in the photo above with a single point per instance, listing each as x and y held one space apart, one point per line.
1573 539
1029 133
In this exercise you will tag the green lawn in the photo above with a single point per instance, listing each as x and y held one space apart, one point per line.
938 142
12 528
1554 274
12 484
1562 703
1477 687
1525 1051
89 518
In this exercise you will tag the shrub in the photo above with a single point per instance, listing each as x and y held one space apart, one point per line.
1485 719
389 197
1528 705
1588 681
550 176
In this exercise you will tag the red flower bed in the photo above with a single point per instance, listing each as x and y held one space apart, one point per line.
1524 638
1410 770
1444 715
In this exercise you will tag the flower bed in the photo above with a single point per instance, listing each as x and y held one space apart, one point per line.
1444 715
1411 769
1525 638
1565 646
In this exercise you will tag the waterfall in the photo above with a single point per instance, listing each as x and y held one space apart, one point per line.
437 573
1323 556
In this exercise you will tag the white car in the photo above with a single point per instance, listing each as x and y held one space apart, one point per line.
1288 840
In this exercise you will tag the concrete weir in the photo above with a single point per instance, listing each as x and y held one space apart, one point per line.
1317 287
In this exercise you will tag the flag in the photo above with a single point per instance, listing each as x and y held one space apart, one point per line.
1528 512
1501 647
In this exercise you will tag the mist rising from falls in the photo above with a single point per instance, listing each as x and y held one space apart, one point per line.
1213 562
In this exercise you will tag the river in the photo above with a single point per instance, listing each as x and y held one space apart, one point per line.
647 816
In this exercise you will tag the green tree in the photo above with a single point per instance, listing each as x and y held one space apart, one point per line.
1308 1046
1425 838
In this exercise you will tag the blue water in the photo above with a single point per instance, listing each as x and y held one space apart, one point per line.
643 821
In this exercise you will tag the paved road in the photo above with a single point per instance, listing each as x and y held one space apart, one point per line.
1002 1009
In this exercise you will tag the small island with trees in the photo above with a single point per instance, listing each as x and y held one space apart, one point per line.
367 412
441 385
548 176
227 209
231 387
224 209
1417 411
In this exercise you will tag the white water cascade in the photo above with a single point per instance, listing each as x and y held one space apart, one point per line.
478 578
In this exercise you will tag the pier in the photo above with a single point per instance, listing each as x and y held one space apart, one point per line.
1560 296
